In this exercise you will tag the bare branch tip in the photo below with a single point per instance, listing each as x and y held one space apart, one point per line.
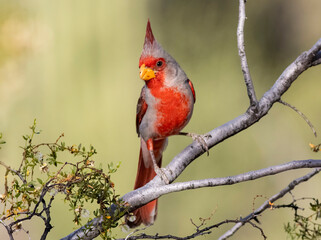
302 115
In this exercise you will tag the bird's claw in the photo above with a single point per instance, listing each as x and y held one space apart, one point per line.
201 140
161 173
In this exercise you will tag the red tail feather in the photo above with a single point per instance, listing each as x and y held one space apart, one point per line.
145 172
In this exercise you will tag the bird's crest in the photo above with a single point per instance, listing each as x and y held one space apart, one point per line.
149 37
151 46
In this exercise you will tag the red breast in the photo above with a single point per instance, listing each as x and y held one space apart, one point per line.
172 110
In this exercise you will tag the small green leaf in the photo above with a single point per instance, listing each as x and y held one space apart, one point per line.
118 164
25 137
39 181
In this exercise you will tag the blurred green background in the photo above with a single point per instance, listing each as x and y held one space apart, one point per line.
73 65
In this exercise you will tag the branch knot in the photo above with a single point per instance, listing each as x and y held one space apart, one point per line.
254 110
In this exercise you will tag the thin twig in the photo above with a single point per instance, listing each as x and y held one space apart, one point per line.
47 220
27 232
260 229
301 114
135 231
242 54
34 212
8 229
14 171
197 233
267 203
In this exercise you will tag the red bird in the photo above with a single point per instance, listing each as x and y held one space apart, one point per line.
164 108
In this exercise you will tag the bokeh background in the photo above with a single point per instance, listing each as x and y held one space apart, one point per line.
73 65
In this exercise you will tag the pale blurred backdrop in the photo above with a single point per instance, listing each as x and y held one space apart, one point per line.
73 65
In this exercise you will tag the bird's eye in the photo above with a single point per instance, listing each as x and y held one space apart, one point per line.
159 63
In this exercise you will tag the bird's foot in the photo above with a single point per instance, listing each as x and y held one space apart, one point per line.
200 139
161 173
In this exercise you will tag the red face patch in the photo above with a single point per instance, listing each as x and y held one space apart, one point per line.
156 64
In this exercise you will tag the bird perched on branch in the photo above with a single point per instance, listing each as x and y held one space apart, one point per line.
164 108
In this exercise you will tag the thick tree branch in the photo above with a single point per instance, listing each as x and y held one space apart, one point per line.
148 193
238 222
242 54
242 122
317 59
87 232
267 203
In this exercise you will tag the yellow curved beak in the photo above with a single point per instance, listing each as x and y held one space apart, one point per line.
146 73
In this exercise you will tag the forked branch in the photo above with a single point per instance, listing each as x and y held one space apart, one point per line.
202 230
267 203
